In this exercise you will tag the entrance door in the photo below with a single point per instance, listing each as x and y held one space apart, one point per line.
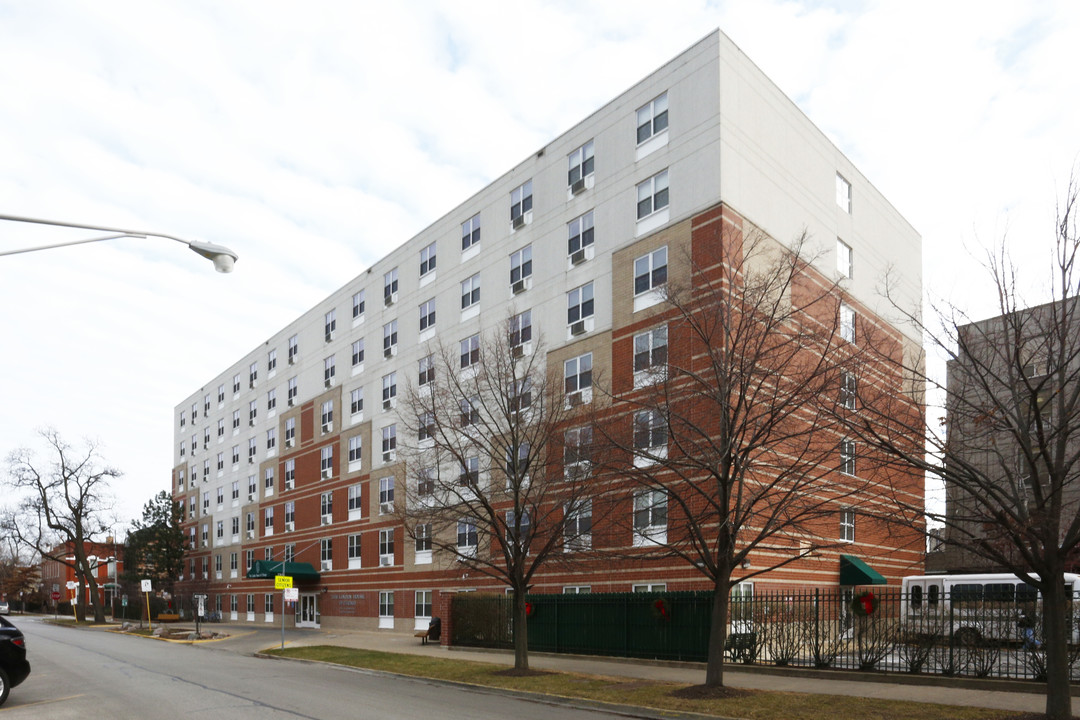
307 611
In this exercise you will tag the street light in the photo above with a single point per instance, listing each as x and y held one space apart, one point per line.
222 257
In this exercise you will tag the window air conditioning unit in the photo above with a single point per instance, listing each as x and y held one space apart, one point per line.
251 422
289 526
251 497
578 257
251 460
388 300
328 427
578 186
518 287
251 384
574 399
329 336
328 382
518 221
292 359
517 351
204 543
387 404
325 521
578 328
386 508
326 565
388 456
288 442
384 561
326 473
389 352
291 402
250 534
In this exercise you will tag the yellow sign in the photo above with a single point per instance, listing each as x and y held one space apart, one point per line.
282 582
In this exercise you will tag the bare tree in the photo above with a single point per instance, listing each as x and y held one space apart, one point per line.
735 444
485 480
1009 455
64 509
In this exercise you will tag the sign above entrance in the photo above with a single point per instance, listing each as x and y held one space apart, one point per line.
282 582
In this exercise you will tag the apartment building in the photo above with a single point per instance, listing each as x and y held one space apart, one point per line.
290 455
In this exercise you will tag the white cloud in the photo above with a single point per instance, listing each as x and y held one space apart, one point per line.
313 139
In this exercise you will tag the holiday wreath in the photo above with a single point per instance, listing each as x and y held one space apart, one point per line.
865 603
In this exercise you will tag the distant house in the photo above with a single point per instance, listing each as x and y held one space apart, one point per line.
107 559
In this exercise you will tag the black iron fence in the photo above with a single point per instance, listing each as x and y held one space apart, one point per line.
873 629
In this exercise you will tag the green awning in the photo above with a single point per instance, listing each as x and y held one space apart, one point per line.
268 569
854 571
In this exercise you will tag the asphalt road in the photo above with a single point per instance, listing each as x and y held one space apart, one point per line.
95 674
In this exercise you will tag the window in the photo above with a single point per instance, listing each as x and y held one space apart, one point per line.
206 502
577 528
326 461
848 390
236 454
467 539
427 259
326 554
271 362
847 322
358 304
423 538
844 260
577 589
221 393
390 286
423 604
386 495
517 465
650 271
356 501
206 400
470 291
470 472
652 195
329 371
579 303
386 547
650 517
268 604
427 315
847 525
577 373
330 324
356 401
358 352
271 439
253 411
271 404
294 389
389 338
520 203
652 119
294 348
847 457
252 486
649 587
326 507
389 443
355 449
253 374
327 416
520 330
580 235
517 531
650 356
426 371
234 525
268 481
470 411
194 412
650 437
355 553
470 232
183 448
194 443
183 418
843 193
577 446
220 461
470 351
289 554
581 165
425 427
389 390
235 490
235 388
521 265
220 495
290 431
386 606
268 520
425 482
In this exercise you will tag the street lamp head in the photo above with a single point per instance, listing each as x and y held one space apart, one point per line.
222 257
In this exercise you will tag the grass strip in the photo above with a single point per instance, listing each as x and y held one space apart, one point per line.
750 704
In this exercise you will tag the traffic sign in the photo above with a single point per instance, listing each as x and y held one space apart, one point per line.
281 582
55 595
291 594
71 584
147 586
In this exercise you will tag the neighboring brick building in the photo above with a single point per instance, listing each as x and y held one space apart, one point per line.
109 566
296 443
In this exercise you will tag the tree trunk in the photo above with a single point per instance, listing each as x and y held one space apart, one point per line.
714 667
1055 639
521 631
92 594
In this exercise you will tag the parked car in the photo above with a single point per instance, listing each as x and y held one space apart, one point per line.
4 609
13 665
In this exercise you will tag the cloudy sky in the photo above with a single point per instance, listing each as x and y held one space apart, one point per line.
314 137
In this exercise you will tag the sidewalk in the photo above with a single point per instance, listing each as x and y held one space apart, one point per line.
988 694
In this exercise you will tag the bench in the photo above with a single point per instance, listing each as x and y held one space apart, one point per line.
423 635
168 617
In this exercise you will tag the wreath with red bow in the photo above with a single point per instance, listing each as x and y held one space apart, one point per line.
660 610
529 609
865 603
